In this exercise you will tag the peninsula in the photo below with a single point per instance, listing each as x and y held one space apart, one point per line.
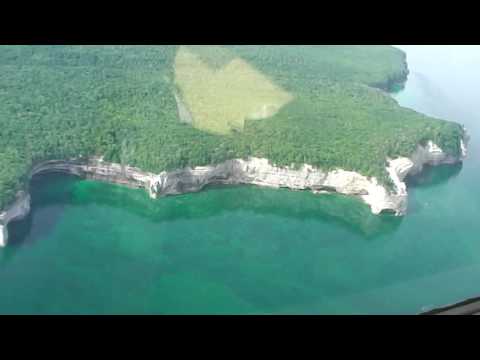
173 119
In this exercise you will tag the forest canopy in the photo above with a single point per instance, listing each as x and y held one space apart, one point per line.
321 105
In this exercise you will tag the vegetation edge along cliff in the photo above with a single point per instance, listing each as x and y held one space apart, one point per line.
162 108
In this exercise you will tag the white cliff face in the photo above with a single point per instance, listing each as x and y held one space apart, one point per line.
463 148
250 171
400 168
18 210
433 155
261 173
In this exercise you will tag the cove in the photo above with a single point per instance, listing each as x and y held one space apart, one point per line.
95 248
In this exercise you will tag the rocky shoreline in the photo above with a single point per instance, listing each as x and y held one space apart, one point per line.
253 171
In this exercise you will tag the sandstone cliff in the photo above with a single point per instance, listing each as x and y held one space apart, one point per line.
250 171
18 210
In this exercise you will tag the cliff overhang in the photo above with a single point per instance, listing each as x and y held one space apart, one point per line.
253 171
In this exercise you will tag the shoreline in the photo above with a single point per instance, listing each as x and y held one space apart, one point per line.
253 171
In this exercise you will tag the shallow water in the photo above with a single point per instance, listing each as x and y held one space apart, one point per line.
89 247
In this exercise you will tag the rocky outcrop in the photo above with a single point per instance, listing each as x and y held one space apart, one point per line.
431 154
18 210
249 171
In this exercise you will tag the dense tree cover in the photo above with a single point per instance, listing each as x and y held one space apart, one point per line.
296 66
118 102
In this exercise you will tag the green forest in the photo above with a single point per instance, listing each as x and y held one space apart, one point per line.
60 102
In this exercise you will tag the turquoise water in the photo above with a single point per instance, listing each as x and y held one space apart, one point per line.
94 248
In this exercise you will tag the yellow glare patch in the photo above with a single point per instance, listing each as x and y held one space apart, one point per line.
220 100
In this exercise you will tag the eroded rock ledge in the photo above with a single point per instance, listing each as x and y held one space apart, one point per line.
251 171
